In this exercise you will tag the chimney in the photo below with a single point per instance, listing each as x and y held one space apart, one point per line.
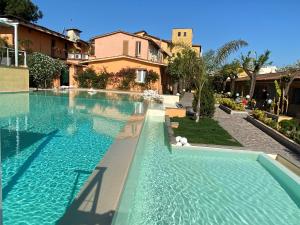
73 34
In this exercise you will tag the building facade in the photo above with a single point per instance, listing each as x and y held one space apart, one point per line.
34 38
111 52
140 51
265 84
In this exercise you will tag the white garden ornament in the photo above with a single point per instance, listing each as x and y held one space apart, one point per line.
178 138
182 141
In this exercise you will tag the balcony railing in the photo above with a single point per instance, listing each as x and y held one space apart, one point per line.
7 57
78 56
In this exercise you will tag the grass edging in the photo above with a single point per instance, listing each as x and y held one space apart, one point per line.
230 111
275 134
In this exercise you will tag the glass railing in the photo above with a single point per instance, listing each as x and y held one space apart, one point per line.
7 57
78 56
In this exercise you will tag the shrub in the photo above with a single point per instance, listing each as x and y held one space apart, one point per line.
100 80
207 104
230 103
127 78
289 125
289 128
262 116
90 79
43 69
259 114
86 78
150 78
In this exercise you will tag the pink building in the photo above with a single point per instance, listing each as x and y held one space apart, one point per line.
118 50
122 43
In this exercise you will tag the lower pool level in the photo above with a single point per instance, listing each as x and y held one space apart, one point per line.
50 144
191 187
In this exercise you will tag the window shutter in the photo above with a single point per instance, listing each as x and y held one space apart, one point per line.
125 47
136 48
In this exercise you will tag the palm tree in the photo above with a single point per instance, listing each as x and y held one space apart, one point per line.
231 71
252 65
195 69
227 49
200 68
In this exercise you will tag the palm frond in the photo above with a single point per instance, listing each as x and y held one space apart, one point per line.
229 48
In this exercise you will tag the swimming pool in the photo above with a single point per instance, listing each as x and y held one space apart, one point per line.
201 186
50 144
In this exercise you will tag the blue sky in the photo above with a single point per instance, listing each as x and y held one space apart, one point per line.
264 24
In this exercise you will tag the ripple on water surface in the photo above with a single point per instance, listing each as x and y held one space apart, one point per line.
50 146
192 187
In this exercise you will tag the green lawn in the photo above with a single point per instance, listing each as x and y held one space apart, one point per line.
207 131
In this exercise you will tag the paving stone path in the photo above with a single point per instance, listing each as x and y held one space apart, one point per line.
251 137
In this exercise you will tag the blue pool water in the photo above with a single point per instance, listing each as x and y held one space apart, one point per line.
191 187
50 144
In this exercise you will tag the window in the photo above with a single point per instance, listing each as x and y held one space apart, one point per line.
179 34
184 34
66 50
140 76
138 48
53 44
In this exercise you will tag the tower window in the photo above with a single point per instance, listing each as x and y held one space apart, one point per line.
179 34
184 34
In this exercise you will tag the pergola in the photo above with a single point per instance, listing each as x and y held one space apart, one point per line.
14 24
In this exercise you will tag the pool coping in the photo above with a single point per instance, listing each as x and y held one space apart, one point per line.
87 90
98 199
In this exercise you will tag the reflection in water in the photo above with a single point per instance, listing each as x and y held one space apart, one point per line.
39 165
12 105
14 141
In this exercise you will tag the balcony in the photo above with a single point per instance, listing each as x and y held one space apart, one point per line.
8 57
78 56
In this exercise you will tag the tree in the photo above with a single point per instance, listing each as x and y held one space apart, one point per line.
290 73
200 77
196 70
174 70
252 65
231 71
43 69
278 95
24 9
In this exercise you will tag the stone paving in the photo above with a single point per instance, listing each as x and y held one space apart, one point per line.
251 137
